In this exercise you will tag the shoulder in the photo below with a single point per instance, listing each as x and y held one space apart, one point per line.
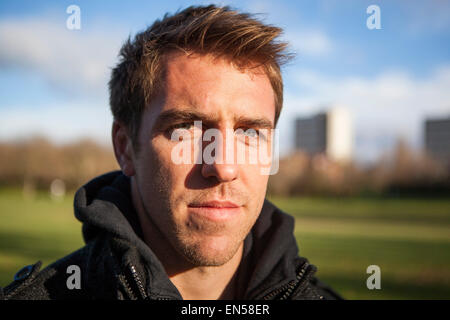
310 287
53 282
315 289
324 290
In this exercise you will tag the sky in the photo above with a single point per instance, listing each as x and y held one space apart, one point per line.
53 80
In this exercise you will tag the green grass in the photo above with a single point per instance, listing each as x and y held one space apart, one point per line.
35 229
409 239
409 210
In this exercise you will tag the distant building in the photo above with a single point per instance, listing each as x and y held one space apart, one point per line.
437 138
328 133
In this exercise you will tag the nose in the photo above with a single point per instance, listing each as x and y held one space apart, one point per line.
222 172
222 169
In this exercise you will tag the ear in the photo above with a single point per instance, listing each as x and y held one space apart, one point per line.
123 148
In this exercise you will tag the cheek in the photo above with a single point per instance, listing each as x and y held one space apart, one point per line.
152 170
255 183
172 174
161 182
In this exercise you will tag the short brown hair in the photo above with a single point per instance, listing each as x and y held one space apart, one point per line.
219 31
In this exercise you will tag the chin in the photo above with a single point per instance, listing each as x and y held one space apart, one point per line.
211 252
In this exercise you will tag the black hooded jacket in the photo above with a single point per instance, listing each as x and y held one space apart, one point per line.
115 263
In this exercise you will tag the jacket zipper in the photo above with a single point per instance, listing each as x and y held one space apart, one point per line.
275 292
289 288
136 280
128 288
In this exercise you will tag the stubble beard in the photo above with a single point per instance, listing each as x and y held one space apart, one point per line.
188 237
194 245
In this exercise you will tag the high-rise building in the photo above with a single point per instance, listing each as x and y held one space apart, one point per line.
328 133
437 138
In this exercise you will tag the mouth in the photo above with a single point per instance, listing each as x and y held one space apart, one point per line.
215 210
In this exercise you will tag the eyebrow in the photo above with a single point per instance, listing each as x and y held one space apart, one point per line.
260 123
175 115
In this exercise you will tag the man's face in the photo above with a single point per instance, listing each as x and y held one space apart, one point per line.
204 210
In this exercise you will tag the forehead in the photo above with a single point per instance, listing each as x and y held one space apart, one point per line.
215 86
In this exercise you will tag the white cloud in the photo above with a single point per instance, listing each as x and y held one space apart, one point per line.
309 42
303 40
384 107
75 61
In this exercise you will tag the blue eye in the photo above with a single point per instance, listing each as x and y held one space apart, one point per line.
251 133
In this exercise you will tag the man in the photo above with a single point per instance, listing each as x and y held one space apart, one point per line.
167 229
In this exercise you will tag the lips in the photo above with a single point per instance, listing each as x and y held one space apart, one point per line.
214 204
215 210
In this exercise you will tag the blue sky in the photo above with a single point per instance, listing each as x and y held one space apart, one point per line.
53 80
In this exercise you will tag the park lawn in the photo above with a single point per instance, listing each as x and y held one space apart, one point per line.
421 210
411 268
410 246
408 238
35 229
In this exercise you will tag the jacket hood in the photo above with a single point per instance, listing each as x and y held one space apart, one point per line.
104 206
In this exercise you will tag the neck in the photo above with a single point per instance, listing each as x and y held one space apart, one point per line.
210 283
193 282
